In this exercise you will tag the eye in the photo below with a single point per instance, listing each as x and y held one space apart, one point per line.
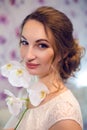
24 42
43 45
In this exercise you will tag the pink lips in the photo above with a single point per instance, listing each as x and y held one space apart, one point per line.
32 65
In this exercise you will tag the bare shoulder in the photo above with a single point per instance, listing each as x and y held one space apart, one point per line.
66 125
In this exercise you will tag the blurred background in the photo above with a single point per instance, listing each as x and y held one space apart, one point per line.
12 12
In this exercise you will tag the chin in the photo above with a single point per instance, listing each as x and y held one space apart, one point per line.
36 73
33 73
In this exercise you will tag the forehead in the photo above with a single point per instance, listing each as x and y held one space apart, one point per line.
35 30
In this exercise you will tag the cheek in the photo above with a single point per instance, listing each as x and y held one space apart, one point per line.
48 59
22 53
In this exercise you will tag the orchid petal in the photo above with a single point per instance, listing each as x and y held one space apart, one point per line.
19 78
7 92
14 104
6 69
37 93
17 74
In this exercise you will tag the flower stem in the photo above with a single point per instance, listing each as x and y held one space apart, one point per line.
20 118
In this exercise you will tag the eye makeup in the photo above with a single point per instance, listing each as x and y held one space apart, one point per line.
23 41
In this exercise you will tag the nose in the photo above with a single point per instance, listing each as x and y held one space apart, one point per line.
30 55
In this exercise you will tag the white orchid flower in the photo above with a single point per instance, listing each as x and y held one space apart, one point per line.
14 104
6 69
20 77
37 93
17 74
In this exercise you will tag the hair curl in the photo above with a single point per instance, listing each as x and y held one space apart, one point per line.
62 29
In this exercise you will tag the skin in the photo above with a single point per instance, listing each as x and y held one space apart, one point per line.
38 47
66 125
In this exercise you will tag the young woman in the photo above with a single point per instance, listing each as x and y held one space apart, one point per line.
49 52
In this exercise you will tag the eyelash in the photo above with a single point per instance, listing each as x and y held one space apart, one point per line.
23 42
40 45
43 45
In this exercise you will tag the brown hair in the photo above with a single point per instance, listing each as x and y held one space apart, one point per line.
62 29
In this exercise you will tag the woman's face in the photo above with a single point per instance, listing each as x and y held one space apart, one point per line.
37 48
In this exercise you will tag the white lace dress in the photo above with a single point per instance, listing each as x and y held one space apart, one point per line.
62 107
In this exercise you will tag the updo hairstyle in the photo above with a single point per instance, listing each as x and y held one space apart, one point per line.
62 30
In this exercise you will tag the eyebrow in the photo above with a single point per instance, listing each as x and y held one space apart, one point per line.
39 40
23 37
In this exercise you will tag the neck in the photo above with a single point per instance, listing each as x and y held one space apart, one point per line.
52 81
